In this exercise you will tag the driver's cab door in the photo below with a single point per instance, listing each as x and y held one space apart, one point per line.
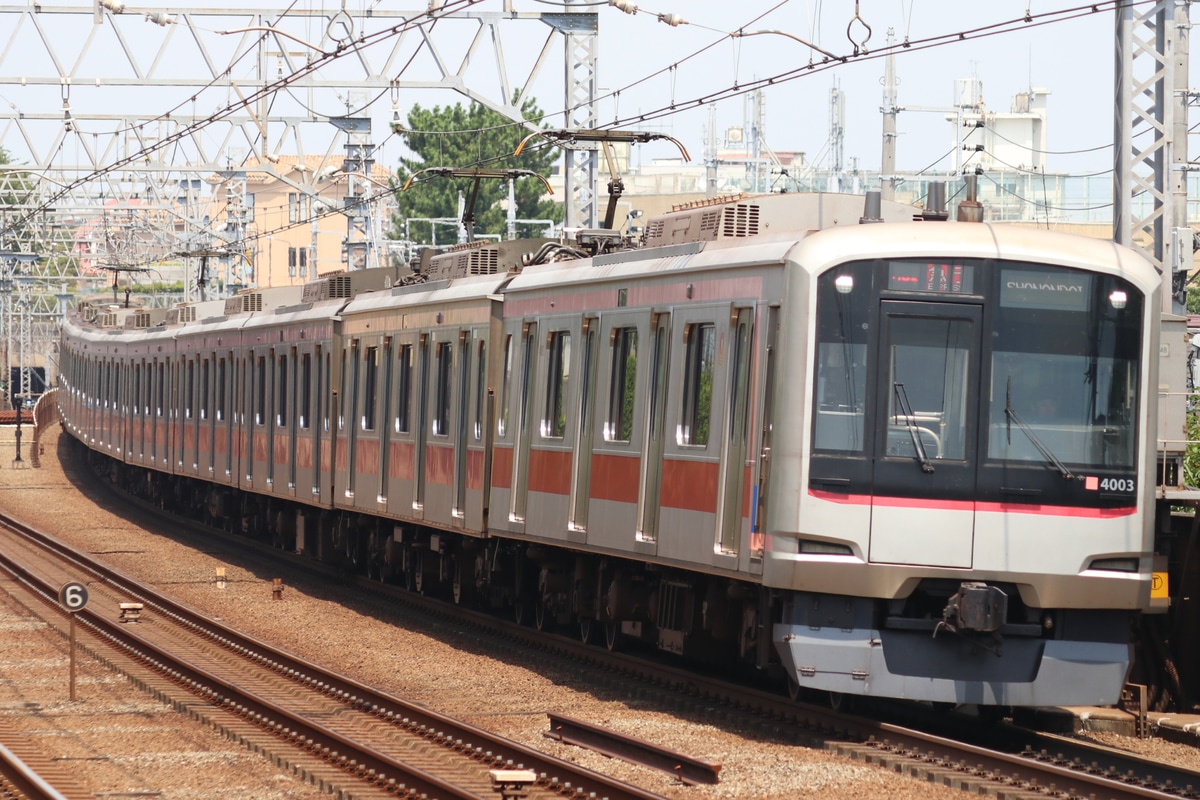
927 380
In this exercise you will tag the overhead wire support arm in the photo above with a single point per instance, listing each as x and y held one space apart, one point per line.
616 187
476 175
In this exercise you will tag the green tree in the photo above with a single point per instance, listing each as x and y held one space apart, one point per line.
457 136
16 195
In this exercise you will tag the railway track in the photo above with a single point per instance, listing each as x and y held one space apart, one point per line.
25 774
981 758
339 734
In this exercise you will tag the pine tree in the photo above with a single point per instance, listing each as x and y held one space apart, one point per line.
455 136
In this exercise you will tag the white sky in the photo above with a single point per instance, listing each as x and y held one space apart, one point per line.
1073 59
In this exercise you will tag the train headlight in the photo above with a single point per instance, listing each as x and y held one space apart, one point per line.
844 284
1115 564
1118 299
815 547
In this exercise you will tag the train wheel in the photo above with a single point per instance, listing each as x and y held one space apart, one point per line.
586 628
837 700
519 611
418 584
612 635
458 586
793 688
542 619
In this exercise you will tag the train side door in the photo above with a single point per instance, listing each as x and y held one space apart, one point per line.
927 392
650 482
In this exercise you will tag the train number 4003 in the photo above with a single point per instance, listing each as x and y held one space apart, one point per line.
1117 484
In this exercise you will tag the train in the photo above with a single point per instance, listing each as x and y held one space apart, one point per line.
845 442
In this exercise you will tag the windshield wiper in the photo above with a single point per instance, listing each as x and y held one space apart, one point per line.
1012 416
910 422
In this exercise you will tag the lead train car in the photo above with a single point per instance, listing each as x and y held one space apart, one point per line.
908 459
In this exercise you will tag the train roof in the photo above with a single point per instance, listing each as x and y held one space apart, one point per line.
975 240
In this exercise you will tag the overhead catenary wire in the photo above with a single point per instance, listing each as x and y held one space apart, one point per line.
676 106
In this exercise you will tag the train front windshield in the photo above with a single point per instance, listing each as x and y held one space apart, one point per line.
971 379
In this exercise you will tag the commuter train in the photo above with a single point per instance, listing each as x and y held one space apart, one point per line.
912 458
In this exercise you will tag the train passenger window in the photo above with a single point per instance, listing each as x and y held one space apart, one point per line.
281 392
505 379
260 394
554 421
370 375
404 390
305 391
221 389
480 388
619 425
700 358
441 408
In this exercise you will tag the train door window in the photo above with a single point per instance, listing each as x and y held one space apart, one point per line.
651 468
221 379
700 358
505 381
260 392
558 374
341 410
460 416
281 392
161 393
622 385
480 387
305 408
371 386
521 458
204 388
734 460
422 428
441 408
928 371
384 448
404 389
582 462
137 390
326 382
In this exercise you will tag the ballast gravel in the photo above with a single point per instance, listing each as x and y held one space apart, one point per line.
122 743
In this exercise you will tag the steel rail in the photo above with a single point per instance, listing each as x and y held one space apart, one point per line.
555 774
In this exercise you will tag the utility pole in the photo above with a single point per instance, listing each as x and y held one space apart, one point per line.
1149 175
887 177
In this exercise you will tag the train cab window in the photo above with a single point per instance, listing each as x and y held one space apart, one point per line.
404 389
843 324
554 421
281 392
371 386
700 358
480 388
305 408
260 392
505 380
441 408
619 425
1064 370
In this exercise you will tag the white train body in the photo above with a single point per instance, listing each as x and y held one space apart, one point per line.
908 459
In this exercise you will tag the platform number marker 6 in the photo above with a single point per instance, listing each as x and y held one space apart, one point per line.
73 596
